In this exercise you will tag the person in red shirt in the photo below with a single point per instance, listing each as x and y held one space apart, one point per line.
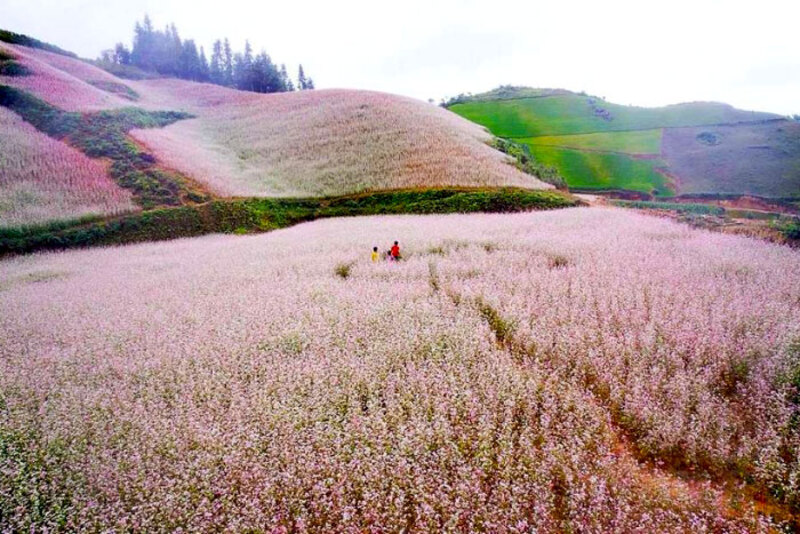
395 251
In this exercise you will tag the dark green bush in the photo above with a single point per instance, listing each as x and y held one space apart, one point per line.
24 40
528 164
12 68
264 214
680 207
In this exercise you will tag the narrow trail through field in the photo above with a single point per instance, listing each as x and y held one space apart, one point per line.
682 484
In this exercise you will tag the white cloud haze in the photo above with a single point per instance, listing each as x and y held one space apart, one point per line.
643 53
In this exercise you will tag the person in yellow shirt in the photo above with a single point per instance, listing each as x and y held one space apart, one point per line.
375 255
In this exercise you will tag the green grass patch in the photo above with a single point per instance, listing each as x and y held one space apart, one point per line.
128 72
263 214
630 142
605 170
104 135
752 214
694 208
118 89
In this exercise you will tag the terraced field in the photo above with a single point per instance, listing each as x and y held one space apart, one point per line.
636 142
589 169
698 147
574 114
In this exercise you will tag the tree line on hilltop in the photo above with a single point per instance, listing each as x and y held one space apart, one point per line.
165 53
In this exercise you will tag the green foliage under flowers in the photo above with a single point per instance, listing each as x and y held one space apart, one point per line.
262 214
10 67
104 135
118 89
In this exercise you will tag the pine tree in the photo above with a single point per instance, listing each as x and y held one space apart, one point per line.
216 74
204 68
246 78
173 49
188 66
285 80
164 52
227 64
121 56
143 44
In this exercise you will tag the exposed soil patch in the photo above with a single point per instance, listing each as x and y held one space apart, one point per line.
761 159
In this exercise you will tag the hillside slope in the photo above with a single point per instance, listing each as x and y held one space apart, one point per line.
323 142
64 82
574 114
691 148
42 179
315 143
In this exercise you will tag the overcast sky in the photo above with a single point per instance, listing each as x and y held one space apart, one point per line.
637 52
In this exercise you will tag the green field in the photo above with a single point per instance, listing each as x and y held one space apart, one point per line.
638 142
699 147
605 170
576 114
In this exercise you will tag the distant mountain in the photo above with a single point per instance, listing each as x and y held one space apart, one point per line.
683 149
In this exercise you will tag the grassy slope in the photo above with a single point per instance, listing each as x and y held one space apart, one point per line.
574 114
631 142
596 145
605 170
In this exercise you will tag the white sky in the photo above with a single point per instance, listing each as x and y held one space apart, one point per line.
631 52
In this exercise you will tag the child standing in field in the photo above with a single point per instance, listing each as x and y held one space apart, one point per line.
395 251
375 255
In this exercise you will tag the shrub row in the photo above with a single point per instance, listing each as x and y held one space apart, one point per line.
525 162
258 215
695 208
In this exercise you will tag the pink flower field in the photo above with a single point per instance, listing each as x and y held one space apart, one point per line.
42 179
315 143
587 370
62 81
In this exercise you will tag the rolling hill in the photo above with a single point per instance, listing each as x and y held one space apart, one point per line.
691 148
314 143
